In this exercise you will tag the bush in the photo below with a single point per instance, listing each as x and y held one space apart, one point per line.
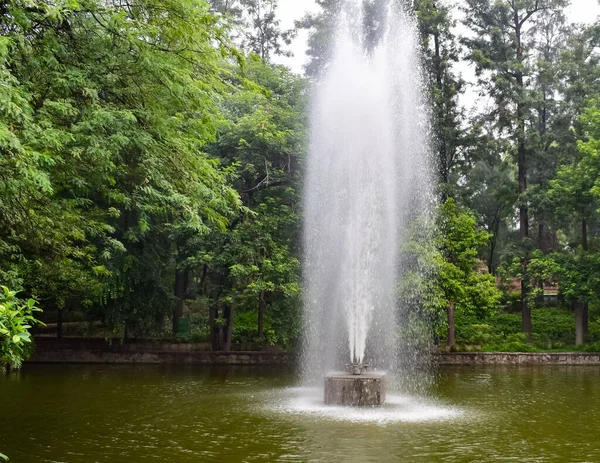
16 318
511 300
516 342
475 334
594 331
553 327
245 328
594 347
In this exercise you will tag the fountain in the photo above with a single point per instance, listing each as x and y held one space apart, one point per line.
368 177
356 388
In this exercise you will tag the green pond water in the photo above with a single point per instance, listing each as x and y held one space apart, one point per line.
129 414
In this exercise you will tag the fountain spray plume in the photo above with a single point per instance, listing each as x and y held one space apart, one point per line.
367 175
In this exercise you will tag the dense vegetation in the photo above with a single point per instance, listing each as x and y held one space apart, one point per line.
151 158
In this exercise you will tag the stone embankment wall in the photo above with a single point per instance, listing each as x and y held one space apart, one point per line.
518 358
79 350
76 350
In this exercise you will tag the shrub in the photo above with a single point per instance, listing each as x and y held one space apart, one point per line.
594 331
474 334
516 342
553 327
506 323
245 328
511 300
594 347
16 318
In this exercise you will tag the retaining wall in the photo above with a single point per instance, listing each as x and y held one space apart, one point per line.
77 350
96 350
517 358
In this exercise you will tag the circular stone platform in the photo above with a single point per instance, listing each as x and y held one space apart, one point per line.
357 390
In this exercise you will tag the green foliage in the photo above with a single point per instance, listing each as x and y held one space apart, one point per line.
256 26
199 322
516 342
575 272
320 27
554 328
137 145
594 331
471 290
441 262
16 318
245 328
253 263
106 110
440 49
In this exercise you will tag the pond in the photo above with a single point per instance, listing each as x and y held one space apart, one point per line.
77 414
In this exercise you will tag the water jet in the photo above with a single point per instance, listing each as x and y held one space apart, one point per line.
367 179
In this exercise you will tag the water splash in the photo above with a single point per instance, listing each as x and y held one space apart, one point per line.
367 178
308 402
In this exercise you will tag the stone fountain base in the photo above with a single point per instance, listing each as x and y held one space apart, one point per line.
367 389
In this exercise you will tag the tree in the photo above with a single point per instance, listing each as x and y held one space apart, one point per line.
256 26
127 88
489 191
251 269
500 48
463 285
441 54
576 191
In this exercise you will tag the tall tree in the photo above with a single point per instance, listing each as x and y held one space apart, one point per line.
441 54
488 188
256 25
252 268
499 46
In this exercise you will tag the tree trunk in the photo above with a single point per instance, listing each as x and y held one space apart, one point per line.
490 263
203 277
579 323
59 324
228 330
442 148
586 310
261 314
451 340
586 320
180 283
521 163
214 332
525 310
213 314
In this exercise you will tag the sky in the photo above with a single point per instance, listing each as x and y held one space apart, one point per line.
290 10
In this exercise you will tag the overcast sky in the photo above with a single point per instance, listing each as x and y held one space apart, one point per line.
290 10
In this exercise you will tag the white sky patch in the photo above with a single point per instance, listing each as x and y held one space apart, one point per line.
290 11
584 11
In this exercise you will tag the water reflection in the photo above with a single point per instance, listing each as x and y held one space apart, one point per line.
80 414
